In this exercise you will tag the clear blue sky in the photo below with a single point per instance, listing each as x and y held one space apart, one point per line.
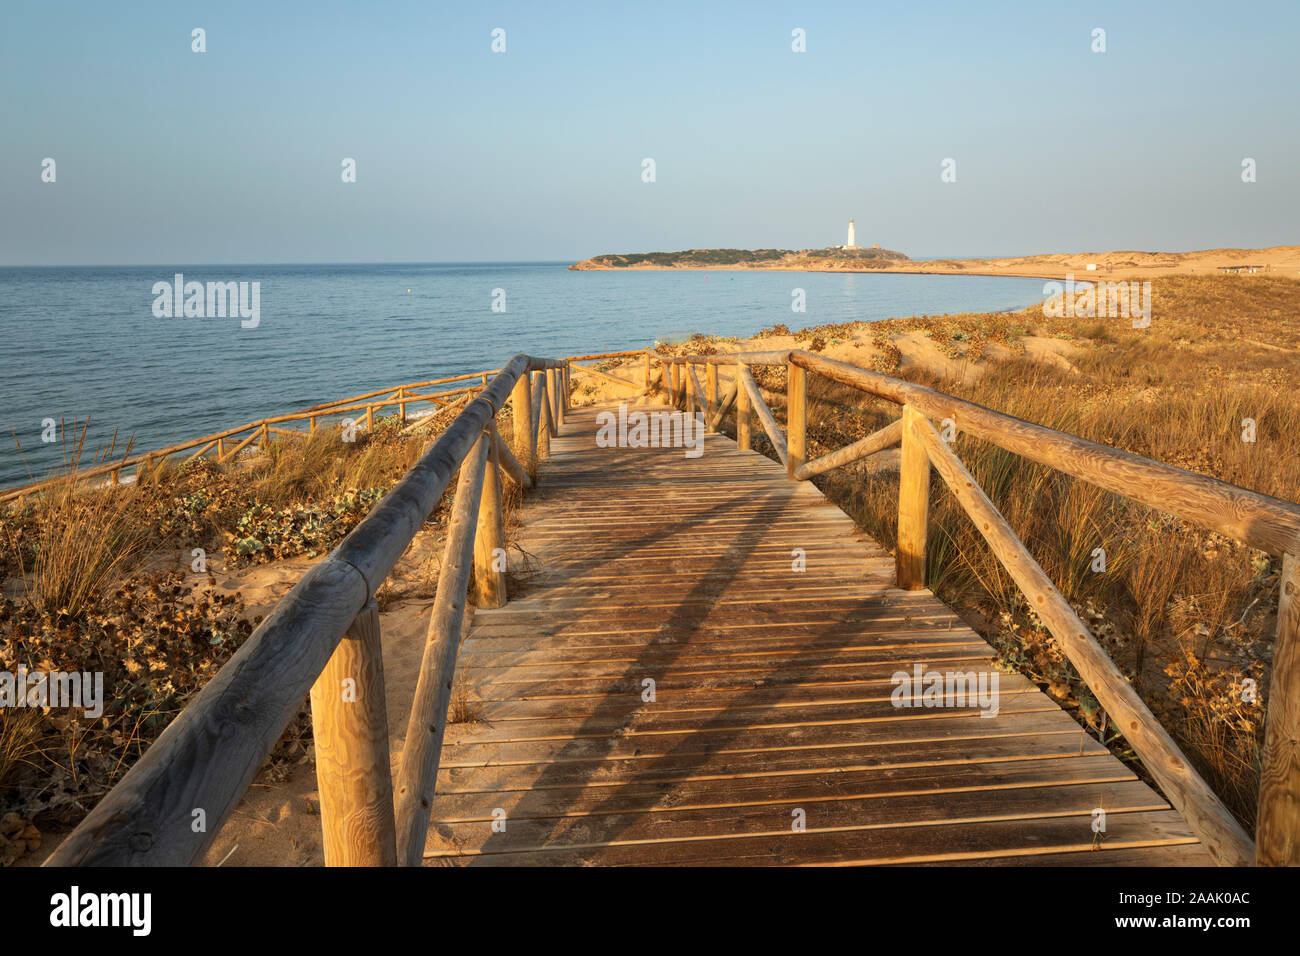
233 155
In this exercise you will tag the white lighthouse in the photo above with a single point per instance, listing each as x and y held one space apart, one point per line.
851 243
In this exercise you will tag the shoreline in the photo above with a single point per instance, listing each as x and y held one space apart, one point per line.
898 272
1105 266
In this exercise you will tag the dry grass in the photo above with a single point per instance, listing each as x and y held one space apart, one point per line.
78 543
74 542
464 707
84 599
19 739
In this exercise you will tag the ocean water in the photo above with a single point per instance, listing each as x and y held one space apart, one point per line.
80 343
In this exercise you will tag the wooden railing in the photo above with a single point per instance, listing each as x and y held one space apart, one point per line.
1260 521
323 639
224 446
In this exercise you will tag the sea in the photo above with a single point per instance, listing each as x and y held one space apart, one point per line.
95 346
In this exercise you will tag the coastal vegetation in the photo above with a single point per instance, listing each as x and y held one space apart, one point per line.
746 259
108 579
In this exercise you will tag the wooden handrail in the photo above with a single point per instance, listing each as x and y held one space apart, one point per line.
887 437
1191 796
725 406
597 373
1269 524
700 397
209 754
776 357
337 407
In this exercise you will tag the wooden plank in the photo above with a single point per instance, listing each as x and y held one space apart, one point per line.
1031 741
814 787
871 845
737 728
647 645
846 814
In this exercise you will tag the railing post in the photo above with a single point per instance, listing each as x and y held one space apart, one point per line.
796 417
521 398
418 774
647 371
913 505
490 538
553 401
1277 827
370 419
687 387
401 405
743 419
710 393
350 727
542 432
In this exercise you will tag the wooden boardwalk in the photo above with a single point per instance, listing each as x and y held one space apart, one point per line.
771 695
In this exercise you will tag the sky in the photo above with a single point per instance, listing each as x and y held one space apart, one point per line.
234 155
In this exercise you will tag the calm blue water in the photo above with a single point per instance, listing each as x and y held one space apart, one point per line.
84 342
